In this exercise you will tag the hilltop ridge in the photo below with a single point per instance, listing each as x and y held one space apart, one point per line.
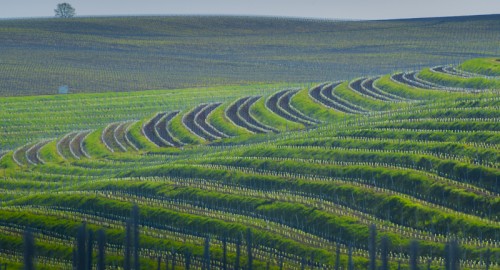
144 53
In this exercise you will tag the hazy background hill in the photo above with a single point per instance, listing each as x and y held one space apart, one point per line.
138 53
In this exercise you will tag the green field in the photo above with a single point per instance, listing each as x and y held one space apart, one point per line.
148 53
268 179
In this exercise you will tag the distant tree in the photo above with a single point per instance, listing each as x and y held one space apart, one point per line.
29 250
64 10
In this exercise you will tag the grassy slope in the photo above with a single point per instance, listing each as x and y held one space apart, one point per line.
454 81
138 138
49 153
485 66
94 145
219 120
267 117
353 97
386 84
304 103
180 132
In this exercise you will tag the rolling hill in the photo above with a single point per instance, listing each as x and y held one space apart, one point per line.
148 53
402 166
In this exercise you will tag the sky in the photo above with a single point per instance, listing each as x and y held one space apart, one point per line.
328 9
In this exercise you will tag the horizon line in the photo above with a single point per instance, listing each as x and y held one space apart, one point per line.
245 16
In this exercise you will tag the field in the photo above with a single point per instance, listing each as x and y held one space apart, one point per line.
250 143
402 168
87 54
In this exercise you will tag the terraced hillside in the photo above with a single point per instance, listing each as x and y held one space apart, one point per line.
393 171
